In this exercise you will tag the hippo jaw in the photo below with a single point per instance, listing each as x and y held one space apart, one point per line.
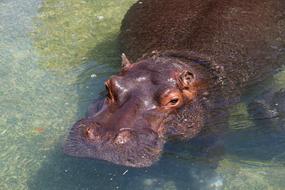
139 113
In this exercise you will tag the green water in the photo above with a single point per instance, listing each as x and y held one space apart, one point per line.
54 57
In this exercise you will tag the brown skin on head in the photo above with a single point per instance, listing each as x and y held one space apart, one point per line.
141 110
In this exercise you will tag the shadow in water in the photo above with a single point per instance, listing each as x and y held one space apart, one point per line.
171 172
265 140
262 140
259 143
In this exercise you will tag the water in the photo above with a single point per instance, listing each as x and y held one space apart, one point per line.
55 55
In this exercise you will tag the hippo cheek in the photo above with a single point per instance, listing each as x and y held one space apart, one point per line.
134 148
184 124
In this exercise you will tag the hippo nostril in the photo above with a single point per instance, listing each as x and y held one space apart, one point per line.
91 134
123 137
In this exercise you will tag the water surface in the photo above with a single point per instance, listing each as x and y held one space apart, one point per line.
55 55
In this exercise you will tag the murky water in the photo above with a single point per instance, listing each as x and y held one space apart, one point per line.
55 55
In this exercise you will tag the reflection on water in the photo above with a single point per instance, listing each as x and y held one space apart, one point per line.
54 58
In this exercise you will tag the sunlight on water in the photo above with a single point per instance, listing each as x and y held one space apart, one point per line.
55 55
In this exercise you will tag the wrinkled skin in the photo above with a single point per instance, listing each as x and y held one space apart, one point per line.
147 103
191 58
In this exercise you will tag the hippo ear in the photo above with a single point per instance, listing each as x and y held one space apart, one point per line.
186 84
126 64
185 80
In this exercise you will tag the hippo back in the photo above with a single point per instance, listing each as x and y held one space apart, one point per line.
245 37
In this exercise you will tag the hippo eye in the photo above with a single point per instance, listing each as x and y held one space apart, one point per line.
174 101
171 99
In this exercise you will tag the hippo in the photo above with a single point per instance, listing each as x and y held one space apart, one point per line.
182 60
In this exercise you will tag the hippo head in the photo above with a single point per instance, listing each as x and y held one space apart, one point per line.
148 102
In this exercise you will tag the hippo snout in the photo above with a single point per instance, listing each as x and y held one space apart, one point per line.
129 147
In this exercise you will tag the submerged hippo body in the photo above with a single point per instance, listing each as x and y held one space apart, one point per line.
190 57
